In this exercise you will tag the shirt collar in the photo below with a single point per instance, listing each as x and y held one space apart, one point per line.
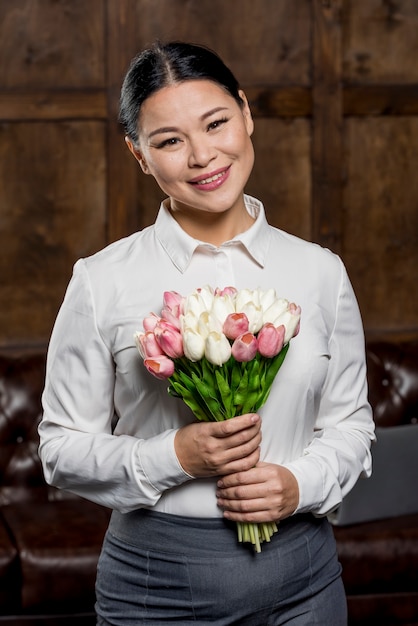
180 246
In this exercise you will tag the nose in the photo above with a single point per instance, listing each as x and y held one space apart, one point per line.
201 153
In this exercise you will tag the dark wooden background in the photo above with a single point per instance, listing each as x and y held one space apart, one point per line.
333 86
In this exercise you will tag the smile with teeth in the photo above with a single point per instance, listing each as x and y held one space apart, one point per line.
211 179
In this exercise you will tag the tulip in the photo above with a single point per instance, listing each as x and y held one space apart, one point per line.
169 339
195 304
227 291
273 312
147 345
243 297
267 298
193 345
222 306
173 305
254 312
217 348
188 321
208 323
173 301
291 321
244 347
236 324
160 366
270 340
150 322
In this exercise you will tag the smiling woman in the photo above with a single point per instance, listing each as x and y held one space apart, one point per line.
111 433
203 161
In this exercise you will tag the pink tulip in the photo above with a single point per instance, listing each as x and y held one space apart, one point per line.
270 340
173 301
147 345
226 291
236 324
169 339
173 308
150 322
160 366
295 310
244 347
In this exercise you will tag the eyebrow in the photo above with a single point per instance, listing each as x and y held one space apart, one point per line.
174 129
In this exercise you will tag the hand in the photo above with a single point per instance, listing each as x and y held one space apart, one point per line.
217 448
265 493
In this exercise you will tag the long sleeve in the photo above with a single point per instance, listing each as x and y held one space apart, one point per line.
340 449
78 448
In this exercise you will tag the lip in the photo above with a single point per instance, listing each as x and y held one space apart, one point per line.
215 179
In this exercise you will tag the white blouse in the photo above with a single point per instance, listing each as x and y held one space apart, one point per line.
108 427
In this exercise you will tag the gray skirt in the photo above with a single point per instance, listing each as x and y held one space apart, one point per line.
157 568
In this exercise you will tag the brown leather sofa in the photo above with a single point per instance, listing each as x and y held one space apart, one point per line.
50 541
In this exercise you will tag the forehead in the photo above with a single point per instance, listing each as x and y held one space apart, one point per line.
183 101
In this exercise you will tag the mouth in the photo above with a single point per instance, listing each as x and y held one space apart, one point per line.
208 179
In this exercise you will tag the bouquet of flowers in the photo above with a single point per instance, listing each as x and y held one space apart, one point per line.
220 351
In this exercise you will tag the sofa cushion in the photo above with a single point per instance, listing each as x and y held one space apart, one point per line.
59 544
391 490
9 572
380 556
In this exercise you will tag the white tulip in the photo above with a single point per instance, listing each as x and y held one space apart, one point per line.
267 298
217 349
254 314
222 307
193 345
277 308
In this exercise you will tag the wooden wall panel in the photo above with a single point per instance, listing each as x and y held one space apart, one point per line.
265 42
50 43
380 41
381 220
333 86
52 181
261 55
282 173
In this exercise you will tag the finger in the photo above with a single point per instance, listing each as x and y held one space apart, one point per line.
235 425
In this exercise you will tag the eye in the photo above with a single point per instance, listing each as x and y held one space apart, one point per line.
217 123
171 141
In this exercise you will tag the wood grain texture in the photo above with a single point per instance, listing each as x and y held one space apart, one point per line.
327 125
53 211
380 245
333 90
52 44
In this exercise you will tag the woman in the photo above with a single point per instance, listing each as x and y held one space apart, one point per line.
111 433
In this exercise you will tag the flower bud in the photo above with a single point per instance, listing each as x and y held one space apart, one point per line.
169 339
150 322
273 312
160 366
236 324
193 345
222 306
147 345
244 347
217 348
291 321
227 291
208 323
270 340
254 313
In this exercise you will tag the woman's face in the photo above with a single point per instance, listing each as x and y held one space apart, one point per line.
194 138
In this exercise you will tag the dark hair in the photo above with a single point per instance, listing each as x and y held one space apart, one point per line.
168 64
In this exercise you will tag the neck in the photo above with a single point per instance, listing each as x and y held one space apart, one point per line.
213 228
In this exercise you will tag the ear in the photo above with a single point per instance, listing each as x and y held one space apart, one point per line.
138 155
248 118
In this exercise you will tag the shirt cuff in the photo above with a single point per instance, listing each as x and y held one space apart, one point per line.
309 475
157 465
